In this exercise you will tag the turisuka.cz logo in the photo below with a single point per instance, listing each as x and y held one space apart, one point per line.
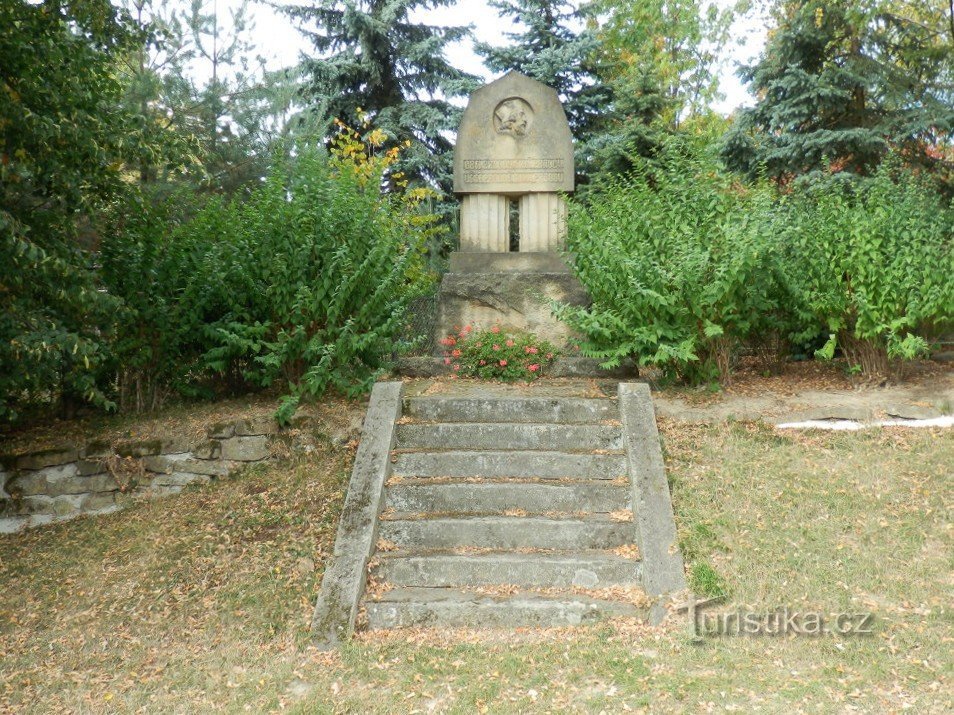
782 621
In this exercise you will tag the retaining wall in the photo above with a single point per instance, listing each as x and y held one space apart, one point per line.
96 477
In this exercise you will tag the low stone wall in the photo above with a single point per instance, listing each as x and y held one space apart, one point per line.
40 487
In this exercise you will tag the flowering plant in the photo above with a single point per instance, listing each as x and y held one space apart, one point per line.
494 355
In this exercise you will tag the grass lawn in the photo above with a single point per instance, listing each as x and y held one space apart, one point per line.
201 602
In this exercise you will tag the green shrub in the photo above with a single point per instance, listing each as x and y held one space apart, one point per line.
681 264
871 263
492 354
304 284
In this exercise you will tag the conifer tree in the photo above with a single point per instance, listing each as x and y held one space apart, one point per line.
375 61
841 83
557 45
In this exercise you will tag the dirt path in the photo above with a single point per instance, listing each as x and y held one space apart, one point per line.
922 400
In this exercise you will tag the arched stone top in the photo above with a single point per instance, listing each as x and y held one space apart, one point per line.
513 139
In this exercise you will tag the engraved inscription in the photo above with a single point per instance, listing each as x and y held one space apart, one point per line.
513 171
513 164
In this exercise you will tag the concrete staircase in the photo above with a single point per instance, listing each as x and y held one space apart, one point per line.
505 511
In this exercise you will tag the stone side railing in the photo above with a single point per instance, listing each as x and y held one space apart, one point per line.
55 484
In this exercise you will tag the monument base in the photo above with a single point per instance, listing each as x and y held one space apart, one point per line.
512 290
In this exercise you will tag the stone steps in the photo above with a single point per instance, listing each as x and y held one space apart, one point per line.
508 532
424 607
585 569
498 497
482 509
504 494
507 436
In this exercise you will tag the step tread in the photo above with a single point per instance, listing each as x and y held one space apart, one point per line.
450 519
450 607
510 436
556 410
423 594
509 532
596 556
539 568
486 497
513 463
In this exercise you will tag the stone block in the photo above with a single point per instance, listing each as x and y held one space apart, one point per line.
179 479
89 467
144 448
256 426
13 524
517 302
245 449
221 430
97 448
169 463
31 483
655 524
510 262
98 502
210 449
39 504
176 445
343 581
67 505
47 458
64 479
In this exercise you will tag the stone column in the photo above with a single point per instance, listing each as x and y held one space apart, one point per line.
485 223
542 222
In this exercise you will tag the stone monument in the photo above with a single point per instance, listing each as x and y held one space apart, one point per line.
514 150
514 143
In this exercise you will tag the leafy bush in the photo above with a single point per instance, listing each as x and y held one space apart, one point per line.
681 264
871 262
494 355
303 284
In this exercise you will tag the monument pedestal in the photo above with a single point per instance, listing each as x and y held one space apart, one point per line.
512 290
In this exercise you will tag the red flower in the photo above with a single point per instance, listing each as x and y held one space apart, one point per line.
533 368
447 361
456 368
455 352
531 350
483 362
503 363
495 329
496 347
509 343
